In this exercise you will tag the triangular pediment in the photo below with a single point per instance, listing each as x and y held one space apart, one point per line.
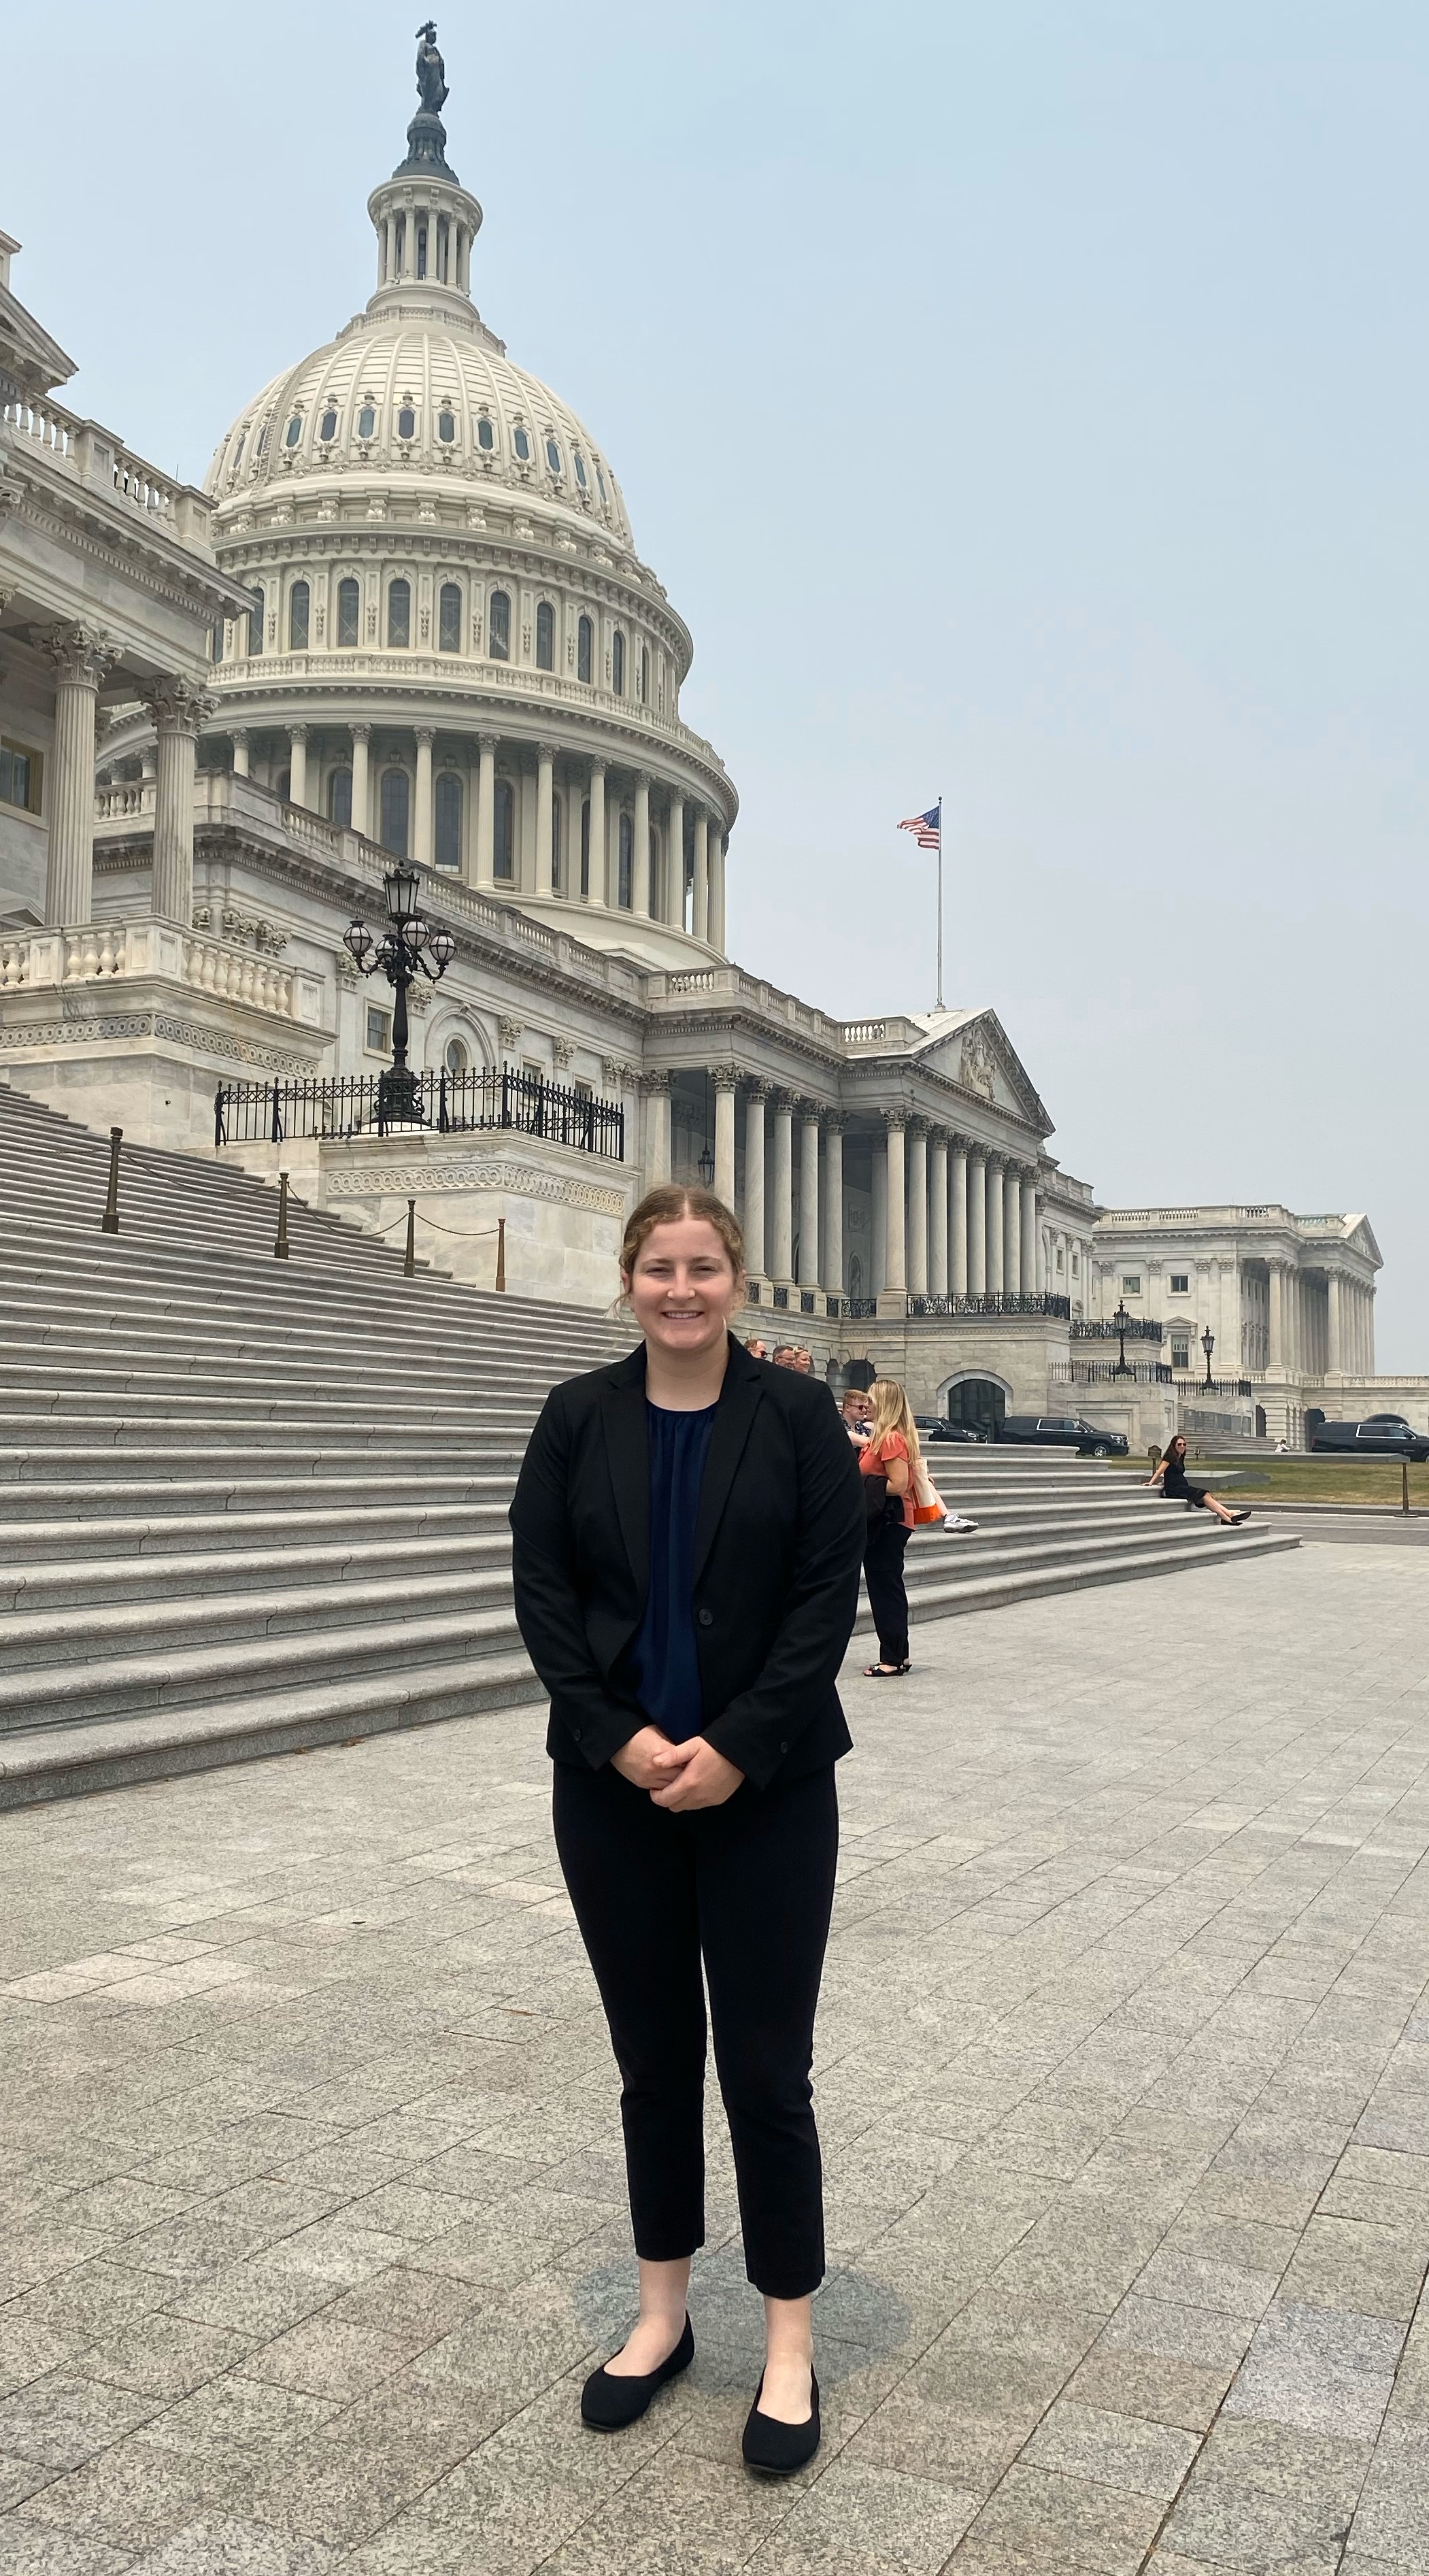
972 1049
1359 1235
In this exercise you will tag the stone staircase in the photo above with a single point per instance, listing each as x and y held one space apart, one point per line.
249 1505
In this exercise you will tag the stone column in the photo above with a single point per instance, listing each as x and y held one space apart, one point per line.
996 1276
361 785
486 813
958 1247
716 868
833 1264
753 1217
177 710
1368 1296
780 1215
700 913
938 1214
545 774
977 1225
917 1182
726 1083
297 764
423 843
1012 1231
656 1087
675 863
239 741
80 657
1334 1355
878 1243
808 1196
1028 1233
895 1272
1276 1347
640 858
596 896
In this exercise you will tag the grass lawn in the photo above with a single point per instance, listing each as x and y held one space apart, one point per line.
1311 1480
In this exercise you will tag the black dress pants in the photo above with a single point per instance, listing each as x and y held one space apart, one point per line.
887 1599
749 1887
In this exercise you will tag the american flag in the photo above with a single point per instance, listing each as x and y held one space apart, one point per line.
929 827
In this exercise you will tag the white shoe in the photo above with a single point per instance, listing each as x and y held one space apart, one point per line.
956 1526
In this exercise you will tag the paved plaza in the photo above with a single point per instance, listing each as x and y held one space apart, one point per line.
310 2170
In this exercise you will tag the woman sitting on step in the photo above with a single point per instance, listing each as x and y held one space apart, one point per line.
1171 1479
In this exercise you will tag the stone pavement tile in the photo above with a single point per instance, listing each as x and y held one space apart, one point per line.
414 2307
1343 2263
1187 2280
1040 2524
342 2483
854 2517
28 2549
520 2343
320 2359
216 2545
30 2350
1392 2518
21 2478
409 2210
256 2299
238 2414
1277 2461
1112 2450
165 2356
1208 2337
137 2495
680 2516
960 2416
1142 2384
336 2250
1320 2370
122 2207
62 2420
1239 2526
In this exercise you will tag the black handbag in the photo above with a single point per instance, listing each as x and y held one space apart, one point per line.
879 1506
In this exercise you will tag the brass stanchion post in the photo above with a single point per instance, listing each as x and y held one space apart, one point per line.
280 1248
501 1252
109 1222
410 1264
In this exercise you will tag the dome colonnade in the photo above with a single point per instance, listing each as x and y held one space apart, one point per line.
452 643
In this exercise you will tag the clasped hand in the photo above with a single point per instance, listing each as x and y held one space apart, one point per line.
678 1776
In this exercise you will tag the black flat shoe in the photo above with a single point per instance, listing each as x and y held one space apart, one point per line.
610 2402
776 2450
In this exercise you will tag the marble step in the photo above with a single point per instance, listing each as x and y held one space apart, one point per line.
994 1589
122 1491
84 1636
162 1531
76 1580
24 1459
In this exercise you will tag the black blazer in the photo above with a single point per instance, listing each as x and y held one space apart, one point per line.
778 1545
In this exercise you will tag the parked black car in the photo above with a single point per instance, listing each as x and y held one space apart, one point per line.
1384 1435
936 1426
1064 1431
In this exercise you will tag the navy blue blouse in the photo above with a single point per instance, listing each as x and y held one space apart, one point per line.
664 1661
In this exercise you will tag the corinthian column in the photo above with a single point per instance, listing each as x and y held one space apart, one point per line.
545 799
726 1083
977 1225
700 914
781 1186
1028 1229
958 1250
1334 1357
938 1213
809 1197
423 849
674 910
995 1278
656 1087
595 894
640 871
81 657
833 1264
1012 1231
178 710
361 787
297 764
917 1208
895 1274
485 813
753 1217
716 899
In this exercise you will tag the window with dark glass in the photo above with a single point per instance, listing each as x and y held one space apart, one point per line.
600 479
500 626
255 623
379 1030
585 649
446 427
522 444
553 456
339 798
456 1058
401 244
396 801
294 430
627 862
579 462
503 816
545 636
299 602
557 858
263 440
366 421
20 777
421 261
449 618
617 664
216 641
486 433
399 613
285 786
644 676
447 807
406 422
585 848
327 426
347 612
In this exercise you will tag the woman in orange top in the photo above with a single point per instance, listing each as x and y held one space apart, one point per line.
891 1451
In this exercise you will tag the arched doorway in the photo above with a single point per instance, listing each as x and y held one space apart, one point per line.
979 1404
1260 1422
859 1373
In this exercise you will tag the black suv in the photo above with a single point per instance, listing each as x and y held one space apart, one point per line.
1384 1435
1064 1431
936 1426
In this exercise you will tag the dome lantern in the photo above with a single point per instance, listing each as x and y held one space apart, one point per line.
424 219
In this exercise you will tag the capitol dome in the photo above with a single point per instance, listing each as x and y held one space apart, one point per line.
453 646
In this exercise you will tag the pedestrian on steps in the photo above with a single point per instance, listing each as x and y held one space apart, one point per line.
888 1461
688 1526
1171 1479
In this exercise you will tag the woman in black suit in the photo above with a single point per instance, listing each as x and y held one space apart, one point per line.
688 1529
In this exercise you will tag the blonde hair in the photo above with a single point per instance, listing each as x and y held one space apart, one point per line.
665 1206
893 1412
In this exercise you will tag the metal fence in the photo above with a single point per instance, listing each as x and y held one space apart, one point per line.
1108 1373
1027 1301
1100 1328
246 1113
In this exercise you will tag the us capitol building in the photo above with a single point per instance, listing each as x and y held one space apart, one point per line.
405 622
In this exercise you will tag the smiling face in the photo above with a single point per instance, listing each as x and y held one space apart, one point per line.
684 1289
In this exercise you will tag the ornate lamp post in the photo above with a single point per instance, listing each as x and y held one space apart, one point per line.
1208 1344
408 947
705 1166
1121 1319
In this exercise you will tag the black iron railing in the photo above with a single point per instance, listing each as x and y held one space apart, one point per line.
1190 1387
1108 1373
1025 1301
247 1113
1139 1328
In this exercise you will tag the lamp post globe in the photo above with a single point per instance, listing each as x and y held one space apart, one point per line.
705 1166
409 947
1121 1319
1208 1344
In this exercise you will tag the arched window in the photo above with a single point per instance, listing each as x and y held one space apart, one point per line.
399 613
396 801
215 641
585 849
521 441
644 675
407 420
585 649
617 664
456 1058
366 421
600 479
446 427
294 430
503 817
238 451
347 613
339 798
255 623
579 462
545 636
449 618
627 862
500 626
327 426
448 819
485 433
553 456
557 852
299 602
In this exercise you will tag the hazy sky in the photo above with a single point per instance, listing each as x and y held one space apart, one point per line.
1021 401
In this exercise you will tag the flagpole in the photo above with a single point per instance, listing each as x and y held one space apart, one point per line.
940 900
